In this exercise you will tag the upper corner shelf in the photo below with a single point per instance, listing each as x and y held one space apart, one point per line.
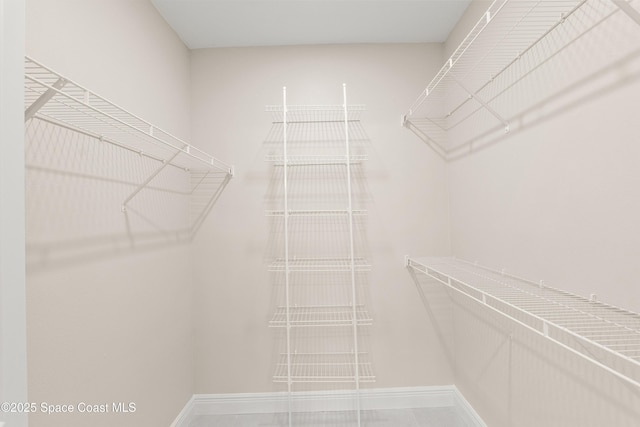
605 335
511 60
55 99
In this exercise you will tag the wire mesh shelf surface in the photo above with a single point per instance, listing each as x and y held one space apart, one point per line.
511 60
321 316
56 99
605 334
320 264
315 113
316 213
309 160
324 368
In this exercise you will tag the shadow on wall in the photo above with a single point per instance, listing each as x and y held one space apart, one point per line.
516 377
579 92
438 305
76 186
593 51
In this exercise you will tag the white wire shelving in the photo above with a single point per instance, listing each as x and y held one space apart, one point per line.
316 213
511 60
325 368
604 335
57 100
320 316
315 113
310 160
322 283
320 264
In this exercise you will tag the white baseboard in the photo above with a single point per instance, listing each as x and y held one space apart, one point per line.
277 402
468 414
186 416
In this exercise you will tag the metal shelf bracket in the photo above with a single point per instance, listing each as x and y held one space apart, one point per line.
150 178
43 99
484 104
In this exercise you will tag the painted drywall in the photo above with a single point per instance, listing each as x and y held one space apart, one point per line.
404 184
554 200
13 338
109 311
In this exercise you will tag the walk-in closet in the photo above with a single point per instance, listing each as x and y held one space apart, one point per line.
305 213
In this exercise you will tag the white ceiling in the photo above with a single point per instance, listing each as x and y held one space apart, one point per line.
227 23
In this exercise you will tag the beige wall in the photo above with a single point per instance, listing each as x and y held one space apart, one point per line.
13 364
555 200
407 208
109 315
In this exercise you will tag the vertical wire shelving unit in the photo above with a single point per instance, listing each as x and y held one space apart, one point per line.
319 138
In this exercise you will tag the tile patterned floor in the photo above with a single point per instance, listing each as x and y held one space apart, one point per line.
418 417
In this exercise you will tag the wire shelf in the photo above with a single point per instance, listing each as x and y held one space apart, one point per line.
316 213
58 100
324 368
321 289
310 160
510 61
606 335
320 264
303 316
315 113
